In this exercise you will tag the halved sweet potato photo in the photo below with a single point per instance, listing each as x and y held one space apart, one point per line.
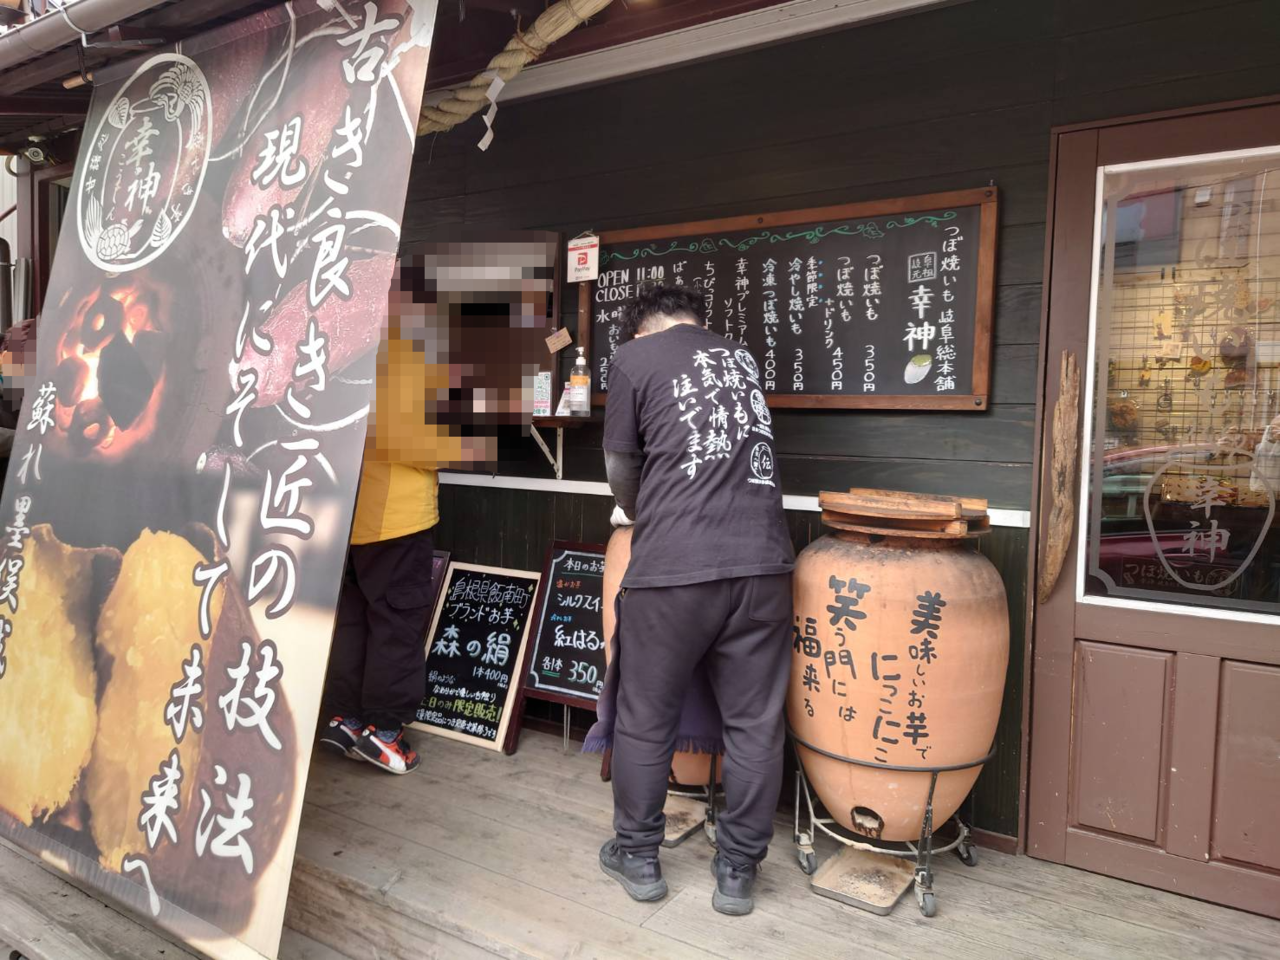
50 679
149 647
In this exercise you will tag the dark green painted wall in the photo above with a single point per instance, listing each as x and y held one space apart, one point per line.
513 528
950 98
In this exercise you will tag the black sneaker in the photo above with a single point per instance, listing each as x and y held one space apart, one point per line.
641 877
341 735
733 887
392 755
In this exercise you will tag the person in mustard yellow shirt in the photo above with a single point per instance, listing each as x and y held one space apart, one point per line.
377 666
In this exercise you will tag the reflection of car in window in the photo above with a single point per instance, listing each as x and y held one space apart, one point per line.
1187 519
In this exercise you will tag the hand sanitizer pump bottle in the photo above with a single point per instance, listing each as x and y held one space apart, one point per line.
580 387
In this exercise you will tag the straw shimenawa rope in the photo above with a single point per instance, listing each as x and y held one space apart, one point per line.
521 50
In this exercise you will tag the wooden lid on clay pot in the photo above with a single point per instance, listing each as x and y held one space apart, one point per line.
893 513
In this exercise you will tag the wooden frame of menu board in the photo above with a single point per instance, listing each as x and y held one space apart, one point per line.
439 561
985 198
527 691
509 724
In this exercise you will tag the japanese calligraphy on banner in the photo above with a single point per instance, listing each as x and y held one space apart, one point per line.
181 487
882 304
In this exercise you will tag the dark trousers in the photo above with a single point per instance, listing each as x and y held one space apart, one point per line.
739 630
377 667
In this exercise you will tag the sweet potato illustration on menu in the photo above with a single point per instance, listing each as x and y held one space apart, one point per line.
49 672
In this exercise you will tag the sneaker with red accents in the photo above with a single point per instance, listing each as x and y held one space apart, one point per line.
389 750
341 735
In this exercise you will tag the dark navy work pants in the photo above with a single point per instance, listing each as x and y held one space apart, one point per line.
377 665
738 628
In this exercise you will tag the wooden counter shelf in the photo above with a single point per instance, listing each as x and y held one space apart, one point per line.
558 422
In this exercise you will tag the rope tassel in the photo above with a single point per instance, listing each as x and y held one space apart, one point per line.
521 50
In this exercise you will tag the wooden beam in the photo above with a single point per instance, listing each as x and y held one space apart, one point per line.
525 7
43 106
565 68
624 23
192 16
53 66
173 22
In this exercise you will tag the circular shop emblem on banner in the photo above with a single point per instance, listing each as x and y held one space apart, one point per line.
143 169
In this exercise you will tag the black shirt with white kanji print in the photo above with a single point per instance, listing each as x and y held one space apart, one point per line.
710 503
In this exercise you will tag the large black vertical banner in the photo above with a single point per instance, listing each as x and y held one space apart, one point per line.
181 487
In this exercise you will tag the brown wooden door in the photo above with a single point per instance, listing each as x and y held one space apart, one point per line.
1155 735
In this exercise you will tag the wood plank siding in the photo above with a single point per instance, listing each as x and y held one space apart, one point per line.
955 97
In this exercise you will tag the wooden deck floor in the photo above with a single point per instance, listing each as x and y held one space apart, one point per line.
480 855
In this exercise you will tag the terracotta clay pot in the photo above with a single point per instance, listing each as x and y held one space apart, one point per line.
690 769
901 646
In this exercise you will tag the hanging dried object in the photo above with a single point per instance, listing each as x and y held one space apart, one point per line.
1161 326
1242 298
1123 416
1167 430
1198 368
1235 346
521 50
1237 379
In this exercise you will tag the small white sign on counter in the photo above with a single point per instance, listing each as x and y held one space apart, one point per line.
584 258
542 394
562 408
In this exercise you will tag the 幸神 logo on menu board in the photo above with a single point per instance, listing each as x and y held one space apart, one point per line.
180 492
885 303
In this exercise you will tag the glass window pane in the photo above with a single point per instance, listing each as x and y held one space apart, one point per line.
1185 460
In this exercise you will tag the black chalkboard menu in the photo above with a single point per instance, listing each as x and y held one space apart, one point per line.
474 651
566 655
884 304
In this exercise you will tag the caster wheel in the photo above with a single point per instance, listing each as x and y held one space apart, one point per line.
808 862
710 830
928 903
968 856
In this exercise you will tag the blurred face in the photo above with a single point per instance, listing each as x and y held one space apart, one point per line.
479 313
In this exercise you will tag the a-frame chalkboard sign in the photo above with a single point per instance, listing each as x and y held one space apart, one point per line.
475 649
565 662
885 304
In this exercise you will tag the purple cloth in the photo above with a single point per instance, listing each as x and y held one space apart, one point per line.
700 731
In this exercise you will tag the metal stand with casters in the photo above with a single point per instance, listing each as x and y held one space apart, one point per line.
687 810
881 884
